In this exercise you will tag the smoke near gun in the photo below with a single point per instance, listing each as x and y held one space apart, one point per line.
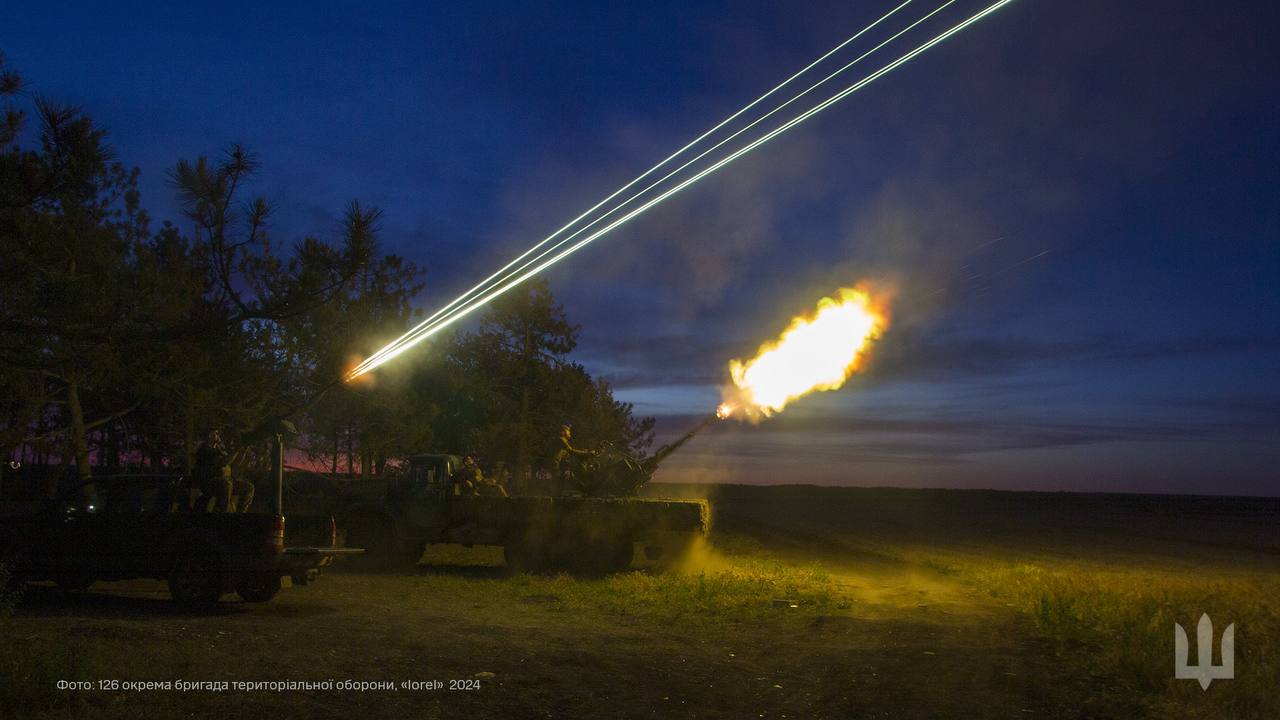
817 352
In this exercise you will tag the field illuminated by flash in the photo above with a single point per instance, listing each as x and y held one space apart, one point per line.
908 604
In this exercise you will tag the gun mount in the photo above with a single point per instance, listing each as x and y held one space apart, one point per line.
613 472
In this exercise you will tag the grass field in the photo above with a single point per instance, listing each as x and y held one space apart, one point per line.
808 603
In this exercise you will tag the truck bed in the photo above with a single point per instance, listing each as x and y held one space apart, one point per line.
487 520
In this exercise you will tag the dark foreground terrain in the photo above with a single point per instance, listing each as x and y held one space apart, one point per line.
809 603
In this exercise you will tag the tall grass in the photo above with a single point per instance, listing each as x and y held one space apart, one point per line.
1116 627
725 593
713 593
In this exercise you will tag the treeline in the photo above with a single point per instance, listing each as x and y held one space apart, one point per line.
122 344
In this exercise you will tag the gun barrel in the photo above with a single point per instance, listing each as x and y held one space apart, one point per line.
666 450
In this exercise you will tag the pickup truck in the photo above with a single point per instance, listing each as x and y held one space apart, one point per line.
146 526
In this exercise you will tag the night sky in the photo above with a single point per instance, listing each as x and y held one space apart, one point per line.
1076 201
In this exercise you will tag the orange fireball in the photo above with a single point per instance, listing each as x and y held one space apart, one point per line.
815 353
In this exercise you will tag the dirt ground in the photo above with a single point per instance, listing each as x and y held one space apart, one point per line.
908 604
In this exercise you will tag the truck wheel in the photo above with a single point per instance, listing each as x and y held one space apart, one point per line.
194 578
259 589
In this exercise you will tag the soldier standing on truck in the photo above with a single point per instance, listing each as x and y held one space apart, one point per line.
470 476
568 452
571 462
212 473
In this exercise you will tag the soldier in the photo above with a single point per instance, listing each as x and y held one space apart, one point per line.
570 461
501 478
207 472
568 451
242 491
212 474
470 476
474 482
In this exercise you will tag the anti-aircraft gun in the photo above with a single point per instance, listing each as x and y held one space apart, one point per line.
429 501
613 472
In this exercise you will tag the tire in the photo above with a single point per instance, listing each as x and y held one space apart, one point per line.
195 577
259 589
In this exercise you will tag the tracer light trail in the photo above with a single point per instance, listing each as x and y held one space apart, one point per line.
645 174
410 339
445 312
440 315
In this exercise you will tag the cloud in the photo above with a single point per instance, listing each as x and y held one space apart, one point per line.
923 357
1264 407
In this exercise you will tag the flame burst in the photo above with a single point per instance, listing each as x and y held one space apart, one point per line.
818 352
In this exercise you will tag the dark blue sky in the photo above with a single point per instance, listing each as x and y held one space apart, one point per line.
1136 143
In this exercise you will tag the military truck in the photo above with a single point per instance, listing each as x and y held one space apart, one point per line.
121 527
126 526
428 501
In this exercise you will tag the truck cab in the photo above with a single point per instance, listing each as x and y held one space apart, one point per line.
424 491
